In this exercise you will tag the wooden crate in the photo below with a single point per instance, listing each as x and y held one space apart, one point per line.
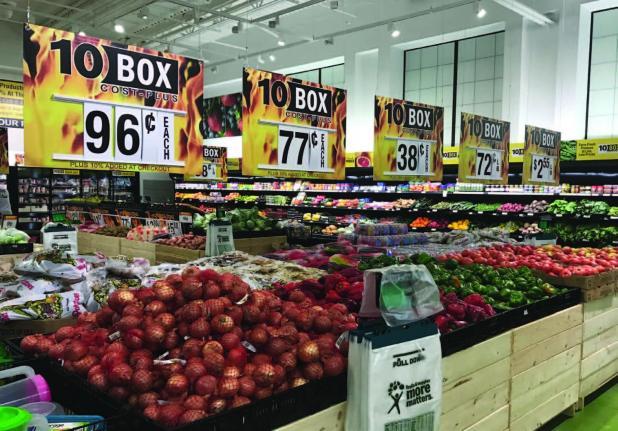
475 386
169 254
605 290
600 344
330 419
91 243
545 368
583 282
260 245
144 249
20 328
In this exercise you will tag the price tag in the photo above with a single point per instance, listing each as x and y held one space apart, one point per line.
126 221
209 171
152 222
413 157
543 168
302 149
185 218
174 228
455 211
488 164
586 216
97 218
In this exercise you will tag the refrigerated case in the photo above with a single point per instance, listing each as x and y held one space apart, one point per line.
30 195
95 186
64 185
115 186
125 186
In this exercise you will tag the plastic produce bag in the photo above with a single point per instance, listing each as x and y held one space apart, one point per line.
43 307
395 379
50 264
137 267
400 293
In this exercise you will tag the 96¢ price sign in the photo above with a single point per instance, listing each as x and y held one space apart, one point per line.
413 157
543 168
488 164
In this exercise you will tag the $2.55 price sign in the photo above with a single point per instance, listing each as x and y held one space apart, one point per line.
541 156
483 149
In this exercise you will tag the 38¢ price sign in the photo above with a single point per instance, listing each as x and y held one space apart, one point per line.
483 150
407 141
101 105
541 156
292 128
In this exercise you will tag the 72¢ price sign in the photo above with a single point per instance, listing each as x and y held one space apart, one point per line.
483 149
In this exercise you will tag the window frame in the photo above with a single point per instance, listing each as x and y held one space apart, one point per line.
455 72
319 69
592 14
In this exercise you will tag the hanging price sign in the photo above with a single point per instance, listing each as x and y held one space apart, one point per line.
214 164
126 222
407 141
483 150
174 228
126 108
98 218
541 156
292 128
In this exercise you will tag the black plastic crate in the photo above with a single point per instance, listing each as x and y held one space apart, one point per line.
16 248
76 395
468 336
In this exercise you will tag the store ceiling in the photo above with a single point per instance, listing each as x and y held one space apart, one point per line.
204 28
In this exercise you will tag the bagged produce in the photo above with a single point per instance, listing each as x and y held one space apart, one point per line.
43 307
51 263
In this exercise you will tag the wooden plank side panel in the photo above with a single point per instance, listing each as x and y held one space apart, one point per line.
546 410
600 323
547 327
598 342
497 421
597 379
600 359
521 405
539 352
600 306
527 381
330 419
84 243
471 386
472 411
108 245
143 249
476 357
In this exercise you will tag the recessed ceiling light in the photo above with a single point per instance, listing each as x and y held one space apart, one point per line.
281 42
118 28
143 13
393 30
272 57
480 10
81 33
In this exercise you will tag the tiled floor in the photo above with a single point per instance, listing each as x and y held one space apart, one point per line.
600 414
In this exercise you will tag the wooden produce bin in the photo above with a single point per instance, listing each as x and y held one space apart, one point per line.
169 254
144 249
20 328
91 243
258 245
475 386
600 344
545 366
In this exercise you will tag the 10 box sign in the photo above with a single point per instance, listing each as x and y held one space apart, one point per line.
116 131
300 147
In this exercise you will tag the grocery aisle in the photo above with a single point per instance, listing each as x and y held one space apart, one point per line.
600 414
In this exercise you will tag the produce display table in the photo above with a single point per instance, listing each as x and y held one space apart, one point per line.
170 254
600 344
91 243
518 380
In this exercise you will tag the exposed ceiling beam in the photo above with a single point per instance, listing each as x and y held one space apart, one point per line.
525 11
60 5
287 10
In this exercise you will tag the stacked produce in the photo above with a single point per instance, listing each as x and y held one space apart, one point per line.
551 259
115 231
250 220
460 225
89 227
530 229
13 236
483 207
510 208
145 233
223 346
562 207
203 220
536 207
189 240
593 233
420 222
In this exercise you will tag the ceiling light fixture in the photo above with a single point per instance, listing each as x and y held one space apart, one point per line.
393 30
480 10
81 33
118 28
281 42
237 28
272 57
329 41
260 59
334 4
143 13
273 23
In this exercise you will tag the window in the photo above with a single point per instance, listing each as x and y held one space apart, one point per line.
602 103
466 74
330 75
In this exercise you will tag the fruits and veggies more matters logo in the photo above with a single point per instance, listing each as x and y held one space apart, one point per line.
222 116
415 393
